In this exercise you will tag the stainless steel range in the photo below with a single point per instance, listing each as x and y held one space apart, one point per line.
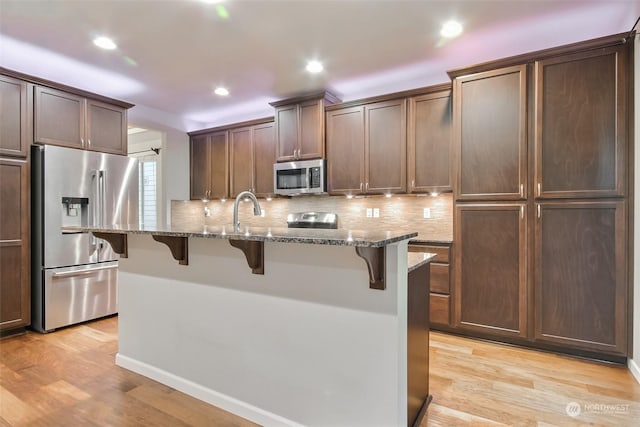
326 220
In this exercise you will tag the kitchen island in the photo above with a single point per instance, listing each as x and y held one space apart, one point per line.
282 326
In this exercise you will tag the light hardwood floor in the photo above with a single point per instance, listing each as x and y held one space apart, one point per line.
69 378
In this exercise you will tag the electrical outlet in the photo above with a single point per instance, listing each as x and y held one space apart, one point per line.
369 212
376 213
426 213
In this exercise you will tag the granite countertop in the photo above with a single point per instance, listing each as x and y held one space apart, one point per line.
418 259
340 237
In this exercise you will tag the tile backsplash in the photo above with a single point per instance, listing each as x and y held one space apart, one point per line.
400 212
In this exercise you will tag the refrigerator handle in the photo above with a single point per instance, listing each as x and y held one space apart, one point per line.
103 197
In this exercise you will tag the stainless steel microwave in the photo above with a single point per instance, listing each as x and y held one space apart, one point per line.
301 177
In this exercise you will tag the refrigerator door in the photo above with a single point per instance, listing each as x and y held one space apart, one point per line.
119 195
65 196
77 294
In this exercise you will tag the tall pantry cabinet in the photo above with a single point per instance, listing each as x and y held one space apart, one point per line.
541 195
15 282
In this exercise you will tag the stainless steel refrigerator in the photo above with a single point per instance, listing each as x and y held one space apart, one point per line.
75 275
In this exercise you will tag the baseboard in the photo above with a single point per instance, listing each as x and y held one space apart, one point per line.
235 406
635 369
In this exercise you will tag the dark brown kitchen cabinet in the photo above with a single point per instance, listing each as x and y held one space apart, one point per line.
209 166
106 128
241 160
345 150
490 128
300 126
490 290
264 152
581 124
580 275
366 148
13 117
15 282
69 120
429 143
252 158
439 281
385 147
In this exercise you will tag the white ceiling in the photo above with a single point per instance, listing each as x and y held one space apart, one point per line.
172 53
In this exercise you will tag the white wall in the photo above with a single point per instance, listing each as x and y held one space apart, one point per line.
175 152
634 363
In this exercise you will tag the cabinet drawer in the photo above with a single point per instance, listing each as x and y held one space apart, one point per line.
439 278
442 252
439 309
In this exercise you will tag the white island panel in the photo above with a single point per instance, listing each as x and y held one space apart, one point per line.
306 343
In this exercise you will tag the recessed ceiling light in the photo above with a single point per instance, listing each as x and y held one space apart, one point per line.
314 66
104 43
221 91
451 29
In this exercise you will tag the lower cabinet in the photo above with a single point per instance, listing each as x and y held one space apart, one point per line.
580 275
15 283
490 286
439 292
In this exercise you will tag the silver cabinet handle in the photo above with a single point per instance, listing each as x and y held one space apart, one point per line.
88 141
539 189
413 184
522 211
521 190
539 213
83 272
366 187
360 186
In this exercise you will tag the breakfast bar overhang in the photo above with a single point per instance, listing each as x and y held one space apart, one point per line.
307 341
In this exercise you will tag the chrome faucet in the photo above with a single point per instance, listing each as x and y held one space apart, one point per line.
256 207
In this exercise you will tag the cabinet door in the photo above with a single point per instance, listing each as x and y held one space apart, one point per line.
264 149
200 168
429 143
311 130
386 147
106 128
490 135
581 131
490 267
241 160
345 151
219 164
286 121
13 117
59 118
580 280
15 283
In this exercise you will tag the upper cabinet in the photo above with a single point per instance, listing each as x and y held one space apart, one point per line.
490 134
69 120
429 142
299 126
13 117
209 166
252 159
366 148
580 124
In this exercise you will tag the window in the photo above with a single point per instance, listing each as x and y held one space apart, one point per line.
148 192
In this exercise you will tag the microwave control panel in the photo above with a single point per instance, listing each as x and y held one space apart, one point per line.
315 180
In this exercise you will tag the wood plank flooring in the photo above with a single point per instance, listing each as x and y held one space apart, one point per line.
68 378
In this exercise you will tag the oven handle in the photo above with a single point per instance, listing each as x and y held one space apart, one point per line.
83 272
